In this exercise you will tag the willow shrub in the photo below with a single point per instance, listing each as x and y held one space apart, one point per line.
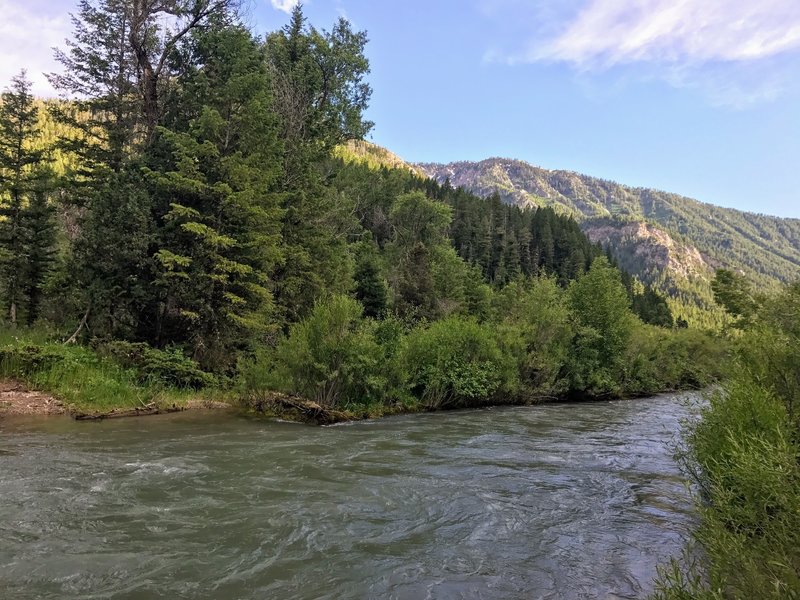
743 456
456 363
659 360
332 357
744 461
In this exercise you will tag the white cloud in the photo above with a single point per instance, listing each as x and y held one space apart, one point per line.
735 53
27 38
285 5
606 33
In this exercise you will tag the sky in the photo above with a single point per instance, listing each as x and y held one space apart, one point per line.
697 97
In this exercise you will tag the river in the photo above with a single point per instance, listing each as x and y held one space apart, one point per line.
555 501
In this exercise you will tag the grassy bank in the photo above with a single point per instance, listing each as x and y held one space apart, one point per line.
743 458
100 379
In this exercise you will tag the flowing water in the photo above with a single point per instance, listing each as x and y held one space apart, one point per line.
556 501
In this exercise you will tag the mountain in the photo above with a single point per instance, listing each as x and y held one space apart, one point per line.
655 234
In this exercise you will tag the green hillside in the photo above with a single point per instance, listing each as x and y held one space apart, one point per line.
664 239
765 248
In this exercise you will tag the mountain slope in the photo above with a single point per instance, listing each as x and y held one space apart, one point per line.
765 248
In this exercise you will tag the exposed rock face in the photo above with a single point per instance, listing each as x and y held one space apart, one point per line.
650 248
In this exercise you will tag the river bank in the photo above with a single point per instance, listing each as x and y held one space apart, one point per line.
17 398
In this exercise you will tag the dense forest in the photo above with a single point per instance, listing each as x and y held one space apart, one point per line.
186 219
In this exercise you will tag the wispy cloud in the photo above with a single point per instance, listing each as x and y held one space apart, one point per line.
735 53
678 32
28 34
285 5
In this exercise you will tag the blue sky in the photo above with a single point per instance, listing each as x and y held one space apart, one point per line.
699 97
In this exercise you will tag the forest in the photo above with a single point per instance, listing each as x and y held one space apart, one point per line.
184 219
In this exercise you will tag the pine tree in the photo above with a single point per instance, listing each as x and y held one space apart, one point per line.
319 92
371 288
39 227
215 200
18 163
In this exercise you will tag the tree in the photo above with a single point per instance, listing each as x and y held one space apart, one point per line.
319 93
39 240
600 307
18 176
733 292
318 77
101 83
418 220
117 70
371 288
215 202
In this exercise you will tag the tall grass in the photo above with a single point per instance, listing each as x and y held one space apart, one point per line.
79 376
743 456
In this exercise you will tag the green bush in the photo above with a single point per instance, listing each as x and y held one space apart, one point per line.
604 323
659 360
533 324
27 359
744 460
743 456
169 367
458 363
331 357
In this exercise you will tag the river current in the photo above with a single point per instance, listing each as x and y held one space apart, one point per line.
556 501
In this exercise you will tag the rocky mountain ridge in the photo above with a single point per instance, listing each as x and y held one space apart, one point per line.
650 230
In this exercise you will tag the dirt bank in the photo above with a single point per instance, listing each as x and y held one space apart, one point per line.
17 399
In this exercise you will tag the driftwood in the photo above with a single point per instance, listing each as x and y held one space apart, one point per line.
139 411
74 337
293 408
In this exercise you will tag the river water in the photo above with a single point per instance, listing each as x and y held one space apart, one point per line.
556 501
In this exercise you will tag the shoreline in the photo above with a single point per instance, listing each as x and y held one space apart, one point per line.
19 399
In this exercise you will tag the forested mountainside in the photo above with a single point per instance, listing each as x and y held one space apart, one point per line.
765 248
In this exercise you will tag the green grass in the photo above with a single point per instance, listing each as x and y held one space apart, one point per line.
82 379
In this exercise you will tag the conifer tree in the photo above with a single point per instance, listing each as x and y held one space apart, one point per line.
370 285
213 180
320 95
39 230
18 165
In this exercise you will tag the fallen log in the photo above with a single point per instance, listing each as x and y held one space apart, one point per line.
139 411
293 408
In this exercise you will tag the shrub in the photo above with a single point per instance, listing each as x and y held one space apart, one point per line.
534 325
331 357
743 456
169 367
604 323
457 363
27 359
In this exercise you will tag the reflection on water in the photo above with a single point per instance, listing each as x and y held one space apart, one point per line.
557 501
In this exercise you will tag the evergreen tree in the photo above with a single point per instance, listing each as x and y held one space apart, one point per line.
371 288
215 203
103 118
39 231
319 92
18 166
